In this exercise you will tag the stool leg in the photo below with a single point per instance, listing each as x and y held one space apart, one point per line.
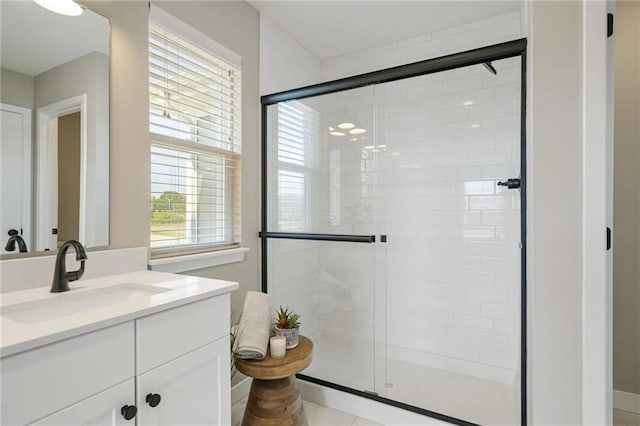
274 402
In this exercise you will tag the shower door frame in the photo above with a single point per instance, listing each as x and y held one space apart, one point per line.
467 58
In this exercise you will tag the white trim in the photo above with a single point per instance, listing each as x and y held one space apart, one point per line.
47 181
626 401
240 389
596 288
170 22
26 172
191 262
362 407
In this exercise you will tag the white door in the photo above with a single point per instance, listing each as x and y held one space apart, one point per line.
191 390
15 166
103 409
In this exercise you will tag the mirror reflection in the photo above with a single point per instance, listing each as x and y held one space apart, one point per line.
54 142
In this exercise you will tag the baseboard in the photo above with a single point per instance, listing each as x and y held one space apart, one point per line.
626 401
362 407
240 390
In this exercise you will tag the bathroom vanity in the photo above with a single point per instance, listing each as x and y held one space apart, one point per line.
145 348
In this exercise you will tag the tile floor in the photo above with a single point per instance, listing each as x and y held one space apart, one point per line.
625 418
317 415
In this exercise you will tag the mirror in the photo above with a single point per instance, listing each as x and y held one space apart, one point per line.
55 128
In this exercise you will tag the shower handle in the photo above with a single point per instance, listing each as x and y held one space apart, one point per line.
511 183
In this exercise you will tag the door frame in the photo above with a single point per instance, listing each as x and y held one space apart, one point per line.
47 166
26 174
515 48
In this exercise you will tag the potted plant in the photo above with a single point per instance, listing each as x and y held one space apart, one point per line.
287 324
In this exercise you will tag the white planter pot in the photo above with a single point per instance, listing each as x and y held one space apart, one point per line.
291 334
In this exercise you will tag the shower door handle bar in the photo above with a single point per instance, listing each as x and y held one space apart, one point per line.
320 237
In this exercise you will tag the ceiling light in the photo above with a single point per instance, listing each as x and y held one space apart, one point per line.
375 150
357 131
346 125
63 7
382 146
336 133
475 125
369 147
467 103
331 129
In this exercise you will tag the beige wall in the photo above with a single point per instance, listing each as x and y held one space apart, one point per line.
68 176
234 24
16 88
626 210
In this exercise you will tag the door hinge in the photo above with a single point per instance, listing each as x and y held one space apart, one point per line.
608 238
609 24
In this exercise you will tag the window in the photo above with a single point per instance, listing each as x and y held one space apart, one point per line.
194 126
297 130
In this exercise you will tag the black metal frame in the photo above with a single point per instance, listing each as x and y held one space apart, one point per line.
319 237
458 60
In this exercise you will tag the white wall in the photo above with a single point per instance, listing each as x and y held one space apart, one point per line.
554 136
284 63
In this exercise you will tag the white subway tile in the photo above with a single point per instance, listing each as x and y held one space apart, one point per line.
485 294
447 334
500 311
473 322
490 341
460 306
507 328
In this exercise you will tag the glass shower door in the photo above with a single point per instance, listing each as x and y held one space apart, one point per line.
453 241
320 228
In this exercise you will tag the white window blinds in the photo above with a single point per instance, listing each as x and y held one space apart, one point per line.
194 125
296 153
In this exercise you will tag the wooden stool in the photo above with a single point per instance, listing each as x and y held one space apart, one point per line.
274 398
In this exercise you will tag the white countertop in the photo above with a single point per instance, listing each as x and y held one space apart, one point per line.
172 290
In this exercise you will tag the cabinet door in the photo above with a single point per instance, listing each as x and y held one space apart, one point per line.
103 409
194 389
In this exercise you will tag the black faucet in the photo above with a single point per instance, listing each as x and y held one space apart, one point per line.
14 238
61 277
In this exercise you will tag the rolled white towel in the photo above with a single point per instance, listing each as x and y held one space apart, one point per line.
254 328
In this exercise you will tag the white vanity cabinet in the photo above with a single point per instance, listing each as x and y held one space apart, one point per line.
102 409
186 390
178 356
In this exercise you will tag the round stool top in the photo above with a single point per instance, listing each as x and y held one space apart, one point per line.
296 360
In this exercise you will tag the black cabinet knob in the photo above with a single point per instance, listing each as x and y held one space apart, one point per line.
153 399
129 411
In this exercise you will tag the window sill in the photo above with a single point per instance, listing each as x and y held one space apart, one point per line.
191 262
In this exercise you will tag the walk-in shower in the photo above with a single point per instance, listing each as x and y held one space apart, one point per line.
393 219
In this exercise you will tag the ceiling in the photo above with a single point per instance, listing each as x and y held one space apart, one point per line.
34 40
334 28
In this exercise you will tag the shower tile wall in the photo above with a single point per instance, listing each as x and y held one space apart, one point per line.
483 32
453 267
452 259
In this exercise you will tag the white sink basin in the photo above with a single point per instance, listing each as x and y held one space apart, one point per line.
79 301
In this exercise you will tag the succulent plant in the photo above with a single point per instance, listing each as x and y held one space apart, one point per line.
286 319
